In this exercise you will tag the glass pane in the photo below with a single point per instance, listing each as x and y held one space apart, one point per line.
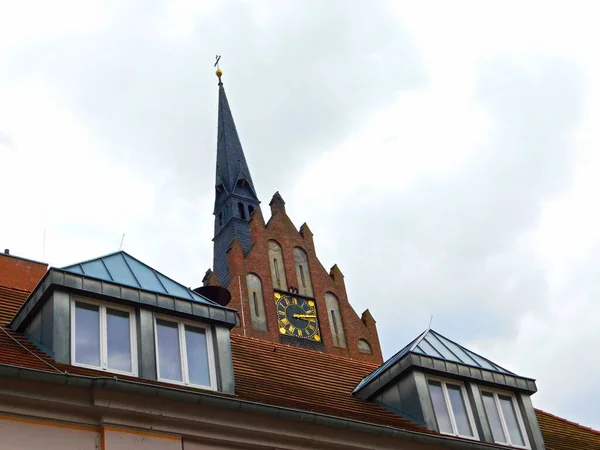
169 358
439 406
460 410
493 417
197 356
118 338
87 334
510 417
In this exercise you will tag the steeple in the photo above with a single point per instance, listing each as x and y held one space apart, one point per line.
235 195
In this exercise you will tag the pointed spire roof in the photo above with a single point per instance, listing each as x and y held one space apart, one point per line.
231 162
433 345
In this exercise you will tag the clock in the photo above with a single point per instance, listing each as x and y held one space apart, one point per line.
297 317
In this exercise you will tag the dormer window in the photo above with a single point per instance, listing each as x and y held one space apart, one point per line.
184 353
452 412
103 337
504 418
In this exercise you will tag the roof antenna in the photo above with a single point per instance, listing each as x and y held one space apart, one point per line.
121 246
430 321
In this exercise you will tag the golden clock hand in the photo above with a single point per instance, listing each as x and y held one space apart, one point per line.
304 316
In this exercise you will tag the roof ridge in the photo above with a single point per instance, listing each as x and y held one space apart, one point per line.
300 349
570 422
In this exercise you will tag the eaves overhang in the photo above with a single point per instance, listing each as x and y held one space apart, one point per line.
106 290
415 361
244 406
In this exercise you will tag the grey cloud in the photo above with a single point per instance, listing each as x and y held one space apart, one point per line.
5 139
298 81
453 246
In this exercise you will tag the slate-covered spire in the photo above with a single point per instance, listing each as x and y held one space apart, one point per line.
233 175
235 196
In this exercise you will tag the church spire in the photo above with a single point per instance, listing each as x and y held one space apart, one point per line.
235 195
233 175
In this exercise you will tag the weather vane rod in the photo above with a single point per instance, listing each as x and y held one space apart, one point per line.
219 71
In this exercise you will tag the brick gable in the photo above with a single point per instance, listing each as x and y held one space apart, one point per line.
281 229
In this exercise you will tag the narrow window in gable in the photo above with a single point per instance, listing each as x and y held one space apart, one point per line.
364 347
242 210
302 272
335 320
277 267
257 304
250 210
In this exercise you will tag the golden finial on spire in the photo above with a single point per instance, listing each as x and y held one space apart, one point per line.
219 72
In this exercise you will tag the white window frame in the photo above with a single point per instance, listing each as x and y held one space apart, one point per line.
520 421
463 390
103 306
210 351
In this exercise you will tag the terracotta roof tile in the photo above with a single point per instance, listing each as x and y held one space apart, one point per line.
292 377
11 300
287 377
284 376
561 434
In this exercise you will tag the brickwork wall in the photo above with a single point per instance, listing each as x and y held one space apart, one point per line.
19 273
281 229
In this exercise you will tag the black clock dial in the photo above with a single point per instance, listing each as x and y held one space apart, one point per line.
297 317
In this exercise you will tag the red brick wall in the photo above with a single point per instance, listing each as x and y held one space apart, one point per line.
20 273
281 229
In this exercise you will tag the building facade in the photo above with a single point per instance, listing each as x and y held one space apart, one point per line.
110 353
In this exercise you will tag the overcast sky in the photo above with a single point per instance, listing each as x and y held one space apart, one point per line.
444 154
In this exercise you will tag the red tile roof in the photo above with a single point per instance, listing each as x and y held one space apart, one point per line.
267 373
11 300
284 376
292 377
561 434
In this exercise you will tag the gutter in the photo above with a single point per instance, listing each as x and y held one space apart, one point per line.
135 387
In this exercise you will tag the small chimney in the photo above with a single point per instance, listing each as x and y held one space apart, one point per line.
6 251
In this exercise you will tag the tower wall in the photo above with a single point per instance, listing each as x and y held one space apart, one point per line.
256 261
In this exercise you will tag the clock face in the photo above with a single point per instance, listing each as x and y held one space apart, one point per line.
297 317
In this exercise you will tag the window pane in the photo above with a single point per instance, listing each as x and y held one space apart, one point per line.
439 406
460 410
169 358
510 417
197 356
493 417
87 334
118 337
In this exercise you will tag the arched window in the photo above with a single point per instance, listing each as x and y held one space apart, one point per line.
364 347
242 210
302 272
256 302
277 269
335 320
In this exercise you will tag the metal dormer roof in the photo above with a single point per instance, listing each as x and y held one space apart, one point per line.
124 269
433 351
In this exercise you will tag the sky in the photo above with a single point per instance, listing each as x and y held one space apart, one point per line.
442 154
